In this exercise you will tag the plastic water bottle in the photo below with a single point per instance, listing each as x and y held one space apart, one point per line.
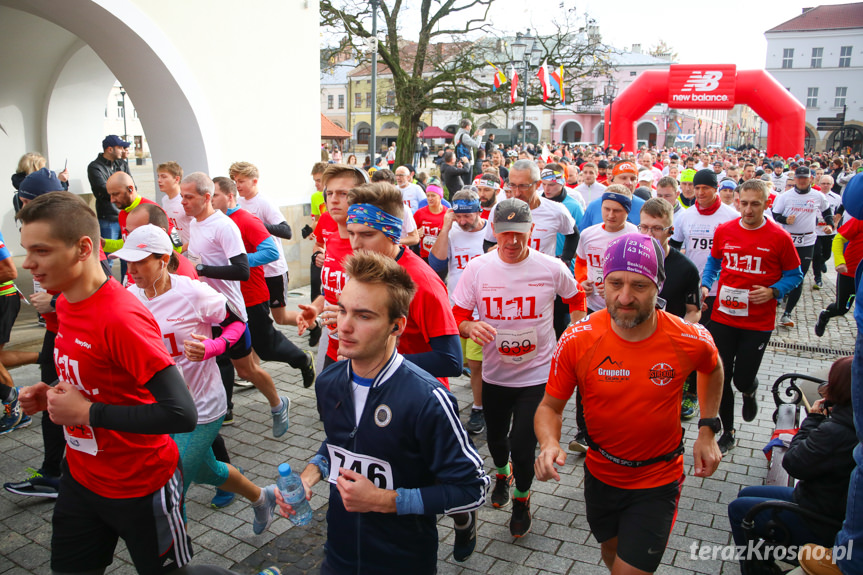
294 494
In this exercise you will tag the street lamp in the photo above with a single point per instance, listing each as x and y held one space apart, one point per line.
123 105
524 52
609 93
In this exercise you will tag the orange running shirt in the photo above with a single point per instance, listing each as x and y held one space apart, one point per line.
631 392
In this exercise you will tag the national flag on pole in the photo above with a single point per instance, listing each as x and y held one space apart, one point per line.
499 77
544 80
513 89
557 84
738 126
679 125
545 154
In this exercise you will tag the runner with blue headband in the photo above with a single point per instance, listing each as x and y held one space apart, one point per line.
376 218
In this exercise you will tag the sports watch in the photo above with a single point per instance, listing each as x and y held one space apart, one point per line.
714 423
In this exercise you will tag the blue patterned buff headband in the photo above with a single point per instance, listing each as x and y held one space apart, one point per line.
466 206
376 218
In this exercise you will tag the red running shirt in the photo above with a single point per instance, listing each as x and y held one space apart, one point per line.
749 258
631 392
109 346
333 278
252 230
852 230
325 228
429 226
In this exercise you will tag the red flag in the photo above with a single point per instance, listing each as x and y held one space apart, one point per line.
513 90
544 80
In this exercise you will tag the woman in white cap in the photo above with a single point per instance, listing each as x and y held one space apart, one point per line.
185 309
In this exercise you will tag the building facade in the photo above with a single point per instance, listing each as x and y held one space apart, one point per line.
818 57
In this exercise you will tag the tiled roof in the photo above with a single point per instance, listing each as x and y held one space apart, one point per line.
330 131
834 17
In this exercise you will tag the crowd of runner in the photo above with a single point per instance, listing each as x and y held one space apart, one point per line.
643 286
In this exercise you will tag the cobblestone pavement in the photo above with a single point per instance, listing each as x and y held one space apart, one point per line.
560 541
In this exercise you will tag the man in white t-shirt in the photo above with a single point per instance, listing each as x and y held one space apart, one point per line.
549 218
590 189
694 228
216 248
513 289
245 175
411 192
797 211
456 245
168 176
616 205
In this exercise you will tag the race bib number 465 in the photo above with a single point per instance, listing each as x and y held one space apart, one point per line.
375 470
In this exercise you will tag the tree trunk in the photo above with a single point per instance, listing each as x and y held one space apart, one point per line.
407 139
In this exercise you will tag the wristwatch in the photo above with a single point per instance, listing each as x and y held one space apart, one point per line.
714 423
775 292
199 268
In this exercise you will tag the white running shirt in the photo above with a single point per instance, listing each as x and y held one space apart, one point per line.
806 207
549 218
177 216
592 244
591 192
214 242
695 232
518 301
191 306
269 214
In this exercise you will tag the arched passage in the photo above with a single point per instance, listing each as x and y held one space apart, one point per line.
571 131
759 90
648 132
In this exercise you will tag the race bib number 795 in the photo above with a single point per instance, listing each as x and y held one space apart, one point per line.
375 470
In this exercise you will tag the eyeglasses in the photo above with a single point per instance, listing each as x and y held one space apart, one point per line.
521 187
655 229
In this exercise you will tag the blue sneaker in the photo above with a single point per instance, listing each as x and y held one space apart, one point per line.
222 499
270 571
13 416
280 418
264 513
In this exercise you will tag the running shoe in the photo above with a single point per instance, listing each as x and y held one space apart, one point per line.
280 418
222 499
476 422
750 406
309 372
465 539
817 284
315 334
37 485
229 418
579 444
264 513
465 371
519 523
270 571
500 494
242 383
786 320
13 416
727 441
821 324
689 406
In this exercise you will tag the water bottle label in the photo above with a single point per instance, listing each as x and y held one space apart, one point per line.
377 471
295 495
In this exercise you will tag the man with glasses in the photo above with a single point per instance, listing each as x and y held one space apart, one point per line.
682 288
824 240
550 218
411 192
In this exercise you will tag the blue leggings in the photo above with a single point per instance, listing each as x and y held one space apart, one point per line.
196 453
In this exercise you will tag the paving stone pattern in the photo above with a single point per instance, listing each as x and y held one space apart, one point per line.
560 540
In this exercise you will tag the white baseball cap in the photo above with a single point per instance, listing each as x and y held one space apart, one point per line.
144 241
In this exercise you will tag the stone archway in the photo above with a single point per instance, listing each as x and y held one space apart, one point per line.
571 132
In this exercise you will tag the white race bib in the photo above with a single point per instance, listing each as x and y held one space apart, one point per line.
734 301
375 470
798 239
428 242
81 438
516 346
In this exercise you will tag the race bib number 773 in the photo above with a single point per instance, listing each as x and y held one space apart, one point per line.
375 470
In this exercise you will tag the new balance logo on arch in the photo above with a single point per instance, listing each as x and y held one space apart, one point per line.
706 82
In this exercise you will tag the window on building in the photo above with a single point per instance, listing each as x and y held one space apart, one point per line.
369 100
329 102
841 93
817 54
391 98
632 73
845 57
587 96
341 101
358 100
120 109
788 58
363 136
812 98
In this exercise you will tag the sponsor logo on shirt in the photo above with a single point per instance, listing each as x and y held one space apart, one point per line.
83 343
610 370
383 415
536 285
661 374
175 319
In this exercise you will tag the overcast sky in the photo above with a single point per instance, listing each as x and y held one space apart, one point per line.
713 32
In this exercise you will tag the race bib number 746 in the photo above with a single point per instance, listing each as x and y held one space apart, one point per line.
375 470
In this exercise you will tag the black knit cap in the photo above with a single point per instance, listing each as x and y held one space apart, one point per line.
705 177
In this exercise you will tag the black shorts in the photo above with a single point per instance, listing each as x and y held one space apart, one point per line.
278 286
242 347
10 305
641 519
87 527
